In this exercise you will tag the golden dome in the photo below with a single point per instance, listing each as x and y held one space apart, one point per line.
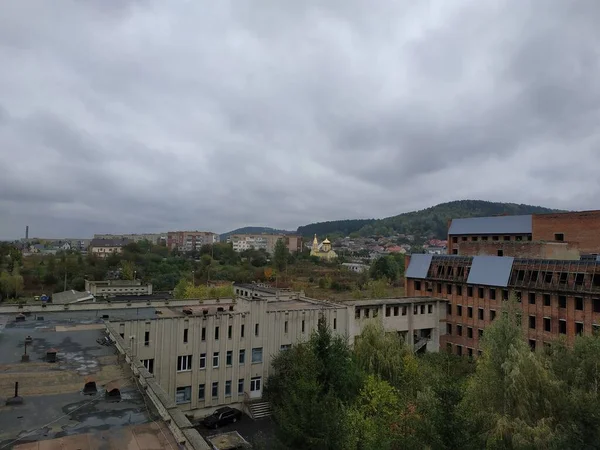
326 241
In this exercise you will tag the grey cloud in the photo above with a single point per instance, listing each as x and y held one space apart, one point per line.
144 115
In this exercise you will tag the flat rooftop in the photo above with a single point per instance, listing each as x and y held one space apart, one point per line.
394 301
299 304
55 411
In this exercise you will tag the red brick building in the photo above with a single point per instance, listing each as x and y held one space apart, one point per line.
554 236
558 297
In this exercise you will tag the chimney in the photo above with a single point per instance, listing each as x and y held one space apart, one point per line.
27 232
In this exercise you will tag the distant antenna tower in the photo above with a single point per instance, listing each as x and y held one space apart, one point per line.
27 232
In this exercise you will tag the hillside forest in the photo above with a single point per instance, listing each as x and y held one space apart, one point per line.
428 223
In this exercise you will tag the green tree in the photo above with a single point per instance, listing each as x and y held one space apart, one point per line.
385 267
280 255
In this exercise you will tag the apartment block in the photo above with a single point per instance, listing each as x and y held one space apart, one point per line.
553 236
155 238
187 241
103 248
220 352
265 242
557 297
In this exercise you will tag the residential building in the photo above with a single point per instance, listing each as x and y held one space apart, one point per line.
555 236
154 238
220 352
187 241
356 267
557 297
106 247
322 250
117 287
265 242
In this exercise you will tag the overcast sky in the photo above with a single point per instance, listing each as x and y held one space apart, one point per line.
143 116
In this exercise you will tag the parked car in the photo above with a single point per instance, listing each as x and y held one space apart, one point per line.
222 416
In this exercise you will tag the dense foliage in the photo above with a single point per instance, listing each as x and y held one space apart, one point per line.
378 395
430 222
251 230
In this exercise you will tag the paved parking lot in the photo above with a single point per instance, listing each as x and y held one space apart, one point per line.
248 428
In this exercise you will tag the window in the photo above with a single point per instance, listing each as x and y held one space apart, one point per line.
375 312
459 350
147 338
357 313
449 289
229 332
417 285
484 238
455 251
448 328
474 238
242 357
335 323
459 310
216 359
532 298
255 384
228 388
469 312
256 329
203 360
596 305
562 301
216 333
203 333
560 237
500 252
532 344
257 354
469 291
183 395
184 363
579 303
439 288
504 294
518 295
547 300
240 386
454 239
480 333
458 290
185 335
459 330
367 314
480 292
122 335
579 328
395 310
469 352
388 311
416 309
492 314
449 309
285 347
562 326
303 327
480 313
470 332
148 364
404 310
229 358
532 322
507 238
215 389
201 391
242 331
429 309
547 324
464 238
449 347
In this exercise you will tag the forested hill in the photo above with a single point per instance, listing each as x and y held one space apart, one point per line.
430 222
252 230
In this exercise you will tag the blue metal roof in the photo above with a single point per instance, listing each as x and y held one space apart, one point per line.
492 225
490 270
418 266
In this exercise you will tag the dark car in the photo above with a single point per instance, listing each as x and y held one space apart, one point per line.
222 416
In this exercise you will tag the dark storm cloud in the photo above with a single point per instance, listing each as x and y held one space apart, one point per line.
131 116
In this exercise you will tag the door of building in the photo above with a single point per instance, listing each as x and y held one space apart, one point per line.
256 387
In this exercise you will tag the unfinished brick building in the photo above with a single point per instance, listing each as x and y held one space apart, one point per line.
558 297
554 236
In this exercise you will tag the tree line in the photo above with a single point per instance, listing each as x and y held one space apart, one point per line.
378 395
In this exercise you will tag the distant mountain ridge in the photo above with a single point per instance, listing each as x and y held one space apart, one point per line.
253 230
430 222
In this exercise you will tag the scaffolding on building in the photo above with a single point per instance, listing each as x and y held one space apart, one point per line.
579 276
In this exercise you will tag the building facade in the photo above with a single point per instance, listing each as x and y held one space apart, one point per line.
220 352
265 242
103 248
155 238
117 287
557 297
554 236
187 241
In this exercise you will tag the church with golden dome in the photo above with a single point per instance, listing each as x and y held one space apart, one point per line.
323 250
